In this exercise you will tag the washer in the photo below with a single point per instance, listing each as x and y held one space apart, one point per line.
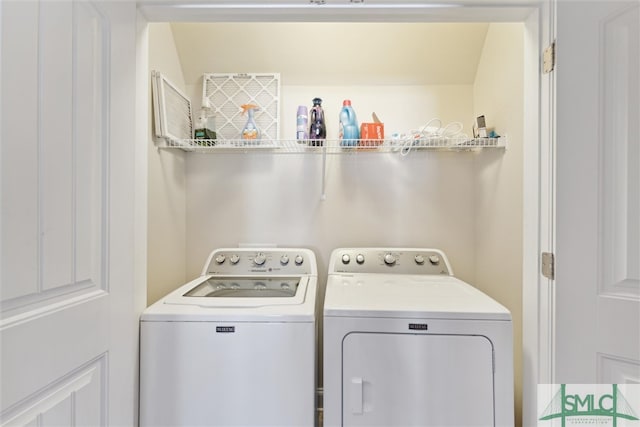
408 344
236 346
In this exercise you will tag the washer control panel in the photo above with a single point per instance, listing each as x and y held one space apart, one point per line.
263 261
389 260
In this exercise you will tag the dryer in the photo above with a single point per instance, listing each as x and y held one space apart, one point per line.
406 343
236 346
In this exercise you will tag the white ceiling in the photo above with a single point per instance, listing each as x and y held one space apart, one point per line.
334 53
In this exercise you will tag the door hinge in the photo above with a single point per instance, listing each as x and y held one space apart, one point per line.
549 58
549 265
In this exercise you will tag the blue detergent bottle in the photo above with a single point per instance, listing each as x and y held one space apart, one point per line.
349 130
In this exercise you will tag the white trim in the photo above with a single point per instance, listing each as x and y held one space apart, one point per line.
547 174
381 11
539 218
141 157
531 220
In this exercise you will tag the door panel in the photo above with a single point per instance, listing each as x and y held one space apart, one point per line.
55 143
598 193
19 180
75 399
68 321
620 156
417 380
58 215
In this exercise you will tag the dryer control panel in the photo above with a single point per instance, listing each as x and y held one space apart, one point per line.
261 261
389 261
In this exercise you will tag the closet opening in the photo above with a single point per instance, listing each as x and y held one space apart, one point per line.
451 64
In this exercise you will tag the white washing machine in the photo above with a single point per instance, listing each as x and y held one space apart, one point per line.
235 347
408 344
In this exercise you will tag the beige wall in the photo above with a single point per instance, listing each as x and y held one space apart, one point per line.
317 53
376 199
498 93
424 199
166 237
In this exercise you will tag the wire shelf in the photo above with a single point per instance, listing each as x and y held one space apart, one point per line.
332 146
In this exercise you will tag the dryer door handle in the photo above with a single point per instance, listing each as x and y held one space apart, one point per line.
355 395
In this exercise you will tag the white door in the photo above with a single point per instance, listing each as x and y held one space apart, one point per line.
417 380
597 286
68 311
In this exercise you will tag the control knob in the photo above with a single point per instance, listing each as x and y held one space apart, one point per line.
299 259
389 259
360 259
220 258
234 259
284 260
346 259
260 259
419 259
434 259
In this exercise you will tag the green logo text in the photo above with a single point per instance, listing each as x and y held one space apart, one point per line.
564 405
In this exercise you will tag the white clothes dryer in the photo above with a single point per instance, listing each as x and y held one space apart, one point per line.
408 344
236 346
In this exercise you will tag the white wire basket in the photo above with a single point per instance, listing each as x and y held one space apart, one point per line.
171 110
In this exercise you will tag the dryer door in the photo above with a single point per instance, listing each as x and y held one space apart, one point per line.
417 380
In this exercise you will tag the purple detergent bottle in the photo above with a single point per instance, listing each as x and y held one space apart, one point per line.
317 130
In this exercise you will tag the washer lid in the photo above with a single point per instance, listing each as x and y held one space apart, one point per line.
240 291
408 296
246 287
238 299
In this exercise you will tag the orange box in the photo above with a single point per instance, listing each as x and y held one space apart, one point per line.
371 134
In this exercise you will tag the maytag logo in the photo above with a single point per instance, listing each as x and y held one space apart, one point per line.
225 329
589 404
418 326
